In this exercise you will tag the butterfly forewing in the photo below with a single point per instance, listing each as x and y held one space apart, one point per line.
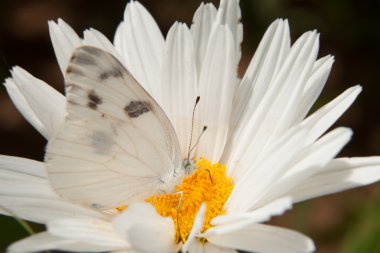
116 144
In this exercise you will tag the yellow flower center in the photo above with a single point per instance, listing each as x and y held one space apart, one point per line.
208 184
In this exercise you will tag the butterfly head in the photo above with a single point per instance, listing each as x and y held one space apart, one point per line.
188 167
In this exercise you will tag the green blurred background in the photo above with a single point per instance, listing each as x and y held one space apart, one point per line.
350 30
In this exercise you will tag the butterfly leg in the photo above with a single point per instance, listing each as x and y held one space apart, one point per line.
178 207
209 174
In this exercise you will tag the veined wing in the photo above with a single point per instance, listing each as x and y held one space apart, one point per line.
116 145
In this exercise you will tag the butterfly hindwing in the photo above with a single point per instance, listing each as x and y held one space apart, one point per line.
116 145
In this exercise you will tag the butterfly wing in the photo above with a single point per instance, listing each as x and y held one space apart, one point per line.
116 145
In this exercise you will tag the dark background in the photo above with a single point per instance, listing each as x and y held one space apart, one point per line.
350 30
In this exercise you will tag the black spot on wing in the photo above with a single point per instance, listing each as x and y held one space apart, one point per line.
69 69
70 87
72 102
111 73
135 108
95 100
91 50
83 59
92 105
74 70
85 56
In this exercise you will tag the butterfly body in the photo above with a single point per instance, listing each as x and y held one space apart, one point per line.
116 144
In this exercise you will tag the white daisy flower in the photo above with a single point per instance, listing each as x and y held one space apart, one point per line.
260 154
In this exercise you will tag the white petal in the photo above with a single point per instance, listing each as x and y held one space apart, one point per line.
42 210
140 224
20 165
217 85
197 227
203 21
322 151
179 82
273 115
229 14
45 241
262 239
125 251
26 193
339 175
64 40
292 79
141 44
89 231
39 103
323 118
24 189
264 65
212 248
308 163
95 38
23 107
260 175
135 214
261 214
198 247
314 86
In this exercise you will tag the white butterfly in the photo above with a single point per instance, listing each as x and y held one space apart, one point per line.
116 145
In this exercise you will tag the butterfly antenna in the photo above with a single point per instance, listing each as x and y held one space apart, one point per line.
192 129
199 138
